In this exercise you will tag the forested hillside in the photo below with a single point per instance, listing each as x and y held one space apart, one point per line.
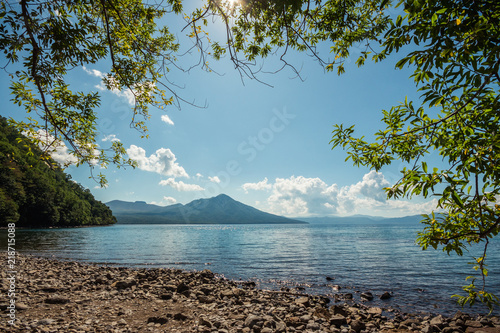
35 192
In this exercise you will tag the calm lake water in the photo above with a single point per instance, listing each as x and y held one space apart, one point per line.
360 258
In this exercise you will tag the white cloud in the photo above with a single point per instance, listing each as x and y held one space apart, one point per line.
56 148
198 176
301 196
164 202
93 72
371 186
127 94
180 185
167 119
163 161
111 137
214 179
262 185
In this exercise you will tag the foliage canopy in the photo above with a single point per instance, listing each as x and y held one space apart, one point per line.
452 46
35 192
51 38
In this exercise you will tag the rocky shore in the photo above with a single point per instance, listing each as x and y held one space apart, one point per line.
61 296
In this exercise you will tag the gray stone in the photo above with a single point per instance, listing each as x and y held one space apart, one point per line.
21 306
205 322
206 299
437 321
302 301
357 325
122 284
253 320
280 327
374 311
473 324
338 320
57 300
46 321
313 326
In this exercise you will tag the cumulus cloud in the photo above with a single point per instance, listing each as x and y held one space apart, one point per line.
164 202
262 185
372 186
163 161
180 185
94 72
111 137
56 148
214 179
301 196
166 119
127 94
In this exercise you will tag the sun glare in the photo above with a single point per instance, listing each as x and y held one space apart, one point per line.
231 3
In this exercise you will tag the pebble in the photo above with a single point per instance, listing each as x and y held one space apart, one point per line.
63 296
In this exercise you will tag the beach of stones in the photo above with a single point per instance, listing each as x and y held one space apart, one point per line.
66 296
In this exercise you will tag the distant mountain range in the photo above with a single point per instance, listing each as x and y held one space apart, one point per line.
217 210
363 219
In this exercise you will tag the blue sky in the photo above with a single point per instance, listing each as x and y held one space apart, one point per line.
264 146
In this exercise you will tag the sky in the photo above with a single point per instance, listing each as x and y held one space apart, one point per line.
265 144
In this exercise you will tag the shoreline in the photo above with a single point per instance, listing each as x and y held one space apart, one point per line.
68 296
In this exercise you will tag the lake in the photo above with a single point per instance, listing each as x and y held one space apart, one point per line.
370 257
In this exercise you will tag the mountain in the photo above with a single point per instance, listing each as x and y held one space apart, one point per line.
221 209
363 219
36 193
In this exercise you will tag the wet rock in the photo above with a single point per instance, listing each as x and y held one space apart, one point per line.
347 296
367 296
386 295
